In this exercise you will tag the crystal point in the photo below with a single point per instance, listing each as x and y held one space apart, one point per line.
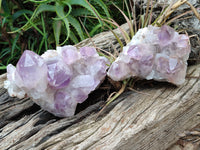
59 75
31 69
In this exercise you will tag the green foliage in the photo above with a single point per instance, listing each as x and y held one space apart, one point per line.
39 25
9 44
68 20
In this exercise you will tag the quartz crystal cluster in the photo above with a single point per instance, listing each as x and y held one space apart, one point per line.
158 53
57 80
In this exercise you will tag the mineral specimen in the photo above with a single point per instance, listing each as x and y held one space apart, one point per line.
158 53
57 80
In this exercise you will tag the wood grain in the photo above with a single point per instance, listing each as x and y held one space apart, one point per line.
134 121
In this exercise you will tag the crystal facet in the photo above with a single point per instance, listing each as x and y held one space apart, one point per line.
31 69
59 79
158 53
59 74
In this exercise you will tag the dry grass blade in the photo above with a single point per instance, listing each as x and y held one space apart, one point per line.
175 18
195 35
147 12
131 89
114 25
127 20
111 99
124 33
194 10
134 14
169 11
117 94
115 53
130 18
151 12
95 45
107 52
119 41
110 96
87 33
173 8
164 6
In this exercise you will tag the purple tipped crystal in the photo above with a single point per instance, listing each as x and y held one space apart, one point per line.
88 52
69 54
57 80
145 65
119 71
153 53
165 34
59 75
135 52
31 68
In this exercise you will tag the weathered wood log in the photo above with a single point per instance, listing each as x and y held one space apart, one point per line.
134 121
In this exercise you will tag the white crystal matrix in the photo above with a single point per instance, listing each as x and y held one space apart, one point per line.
57 80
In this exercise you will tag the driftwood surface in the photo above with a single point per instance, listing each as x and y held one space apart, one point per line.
150 121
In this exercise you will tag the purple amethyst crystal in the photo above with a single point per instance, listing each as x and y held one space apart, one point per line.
69 54
59 74
165 34
31 71
57 80
88 52
158 53
63 104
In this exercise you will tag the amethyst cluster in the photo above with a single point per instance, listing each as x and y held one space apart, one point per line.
57 80
158 53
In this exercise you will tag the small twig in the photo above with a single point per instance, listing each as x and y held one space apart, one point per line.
124 33
131 89
110 96
170 10
195 35
188 17
116 53
147 12
104 88
194 10
87 33
117 94
194 77
106 52
134 18
151 12
111 99
164 5
175 18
